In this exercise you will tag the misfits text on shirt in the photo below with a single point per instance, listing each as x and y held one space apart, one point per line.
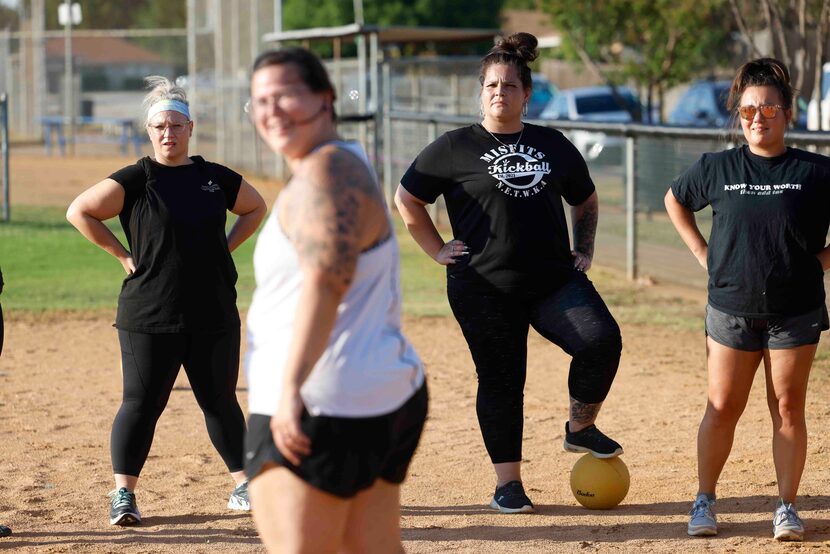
517 169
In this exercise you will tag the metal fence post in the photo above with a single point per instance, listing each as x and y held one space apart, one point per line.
388 185
4 152
630 210
432 134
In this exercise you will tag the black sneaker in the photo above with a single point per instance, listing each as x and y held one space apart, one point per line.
239 498
123 509
510 498
591 440
5 531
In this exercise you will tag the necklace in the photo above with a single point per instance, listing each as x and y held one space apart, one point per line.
500 142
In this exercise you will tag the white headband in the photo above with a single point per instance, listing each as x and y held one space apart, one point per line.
168 105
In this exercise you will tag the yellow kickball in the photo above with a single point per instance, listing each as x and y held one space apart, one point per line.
599 484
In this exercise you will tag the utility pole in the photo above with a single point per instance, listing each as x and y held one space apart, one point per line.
68 87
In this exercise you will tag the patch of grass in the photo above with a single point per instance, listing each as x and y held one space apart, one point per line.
48 265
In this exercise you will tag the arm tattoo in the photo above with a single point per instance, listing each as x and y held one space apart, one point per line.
585 229
584 413
327 215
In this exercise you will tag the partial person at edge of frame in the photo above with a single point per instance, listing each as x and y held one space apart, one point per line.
4 531
337 394
766 258
177 306
510 264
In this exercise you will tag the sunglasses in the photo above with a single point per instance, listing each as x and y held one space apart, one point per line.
768 111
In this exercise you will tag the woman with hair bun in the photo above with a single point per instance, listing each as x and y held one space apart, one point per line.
177 305
766 257
510 264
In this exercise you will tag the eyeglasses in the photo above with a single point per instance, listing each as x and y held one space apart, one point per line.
175 128
768 111
287 100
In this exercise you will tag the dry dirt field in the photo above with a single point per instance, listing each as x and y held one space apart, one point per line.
60 387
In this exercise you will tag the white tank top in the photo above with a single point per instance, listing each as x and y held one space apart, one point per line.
368 367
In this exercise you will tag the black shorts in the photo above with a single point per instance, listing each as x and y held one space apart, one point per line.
754 334
347 454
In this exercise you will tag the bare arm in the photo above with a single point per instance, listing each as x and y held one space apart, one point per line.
824 257
684 221
250 207
584 217
414 214
91 208
334 210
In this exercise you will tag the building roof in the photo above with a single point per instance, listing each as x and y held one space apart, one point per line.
102 51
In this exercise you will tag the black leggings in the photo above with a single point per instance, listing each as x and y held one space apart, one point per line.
150 365
495 325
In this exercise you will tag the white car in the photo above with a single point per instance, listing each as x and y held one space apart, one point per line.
592 104
812 107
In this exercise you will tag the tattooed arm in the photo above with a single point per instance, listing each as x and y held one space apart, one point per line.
584 217
334 214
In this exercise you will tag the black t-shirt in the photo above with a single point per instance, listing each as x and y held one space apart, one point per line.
505 202
770 219
174 219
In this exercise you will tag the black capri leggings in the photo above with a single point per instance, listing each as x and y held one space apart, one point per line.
495 325
150 365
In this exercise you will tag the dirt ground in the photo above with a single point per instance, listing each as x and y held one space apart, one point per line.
60 388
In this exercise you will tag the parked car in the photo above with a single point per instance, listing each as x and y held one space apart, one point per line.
592 104
702 105
543 92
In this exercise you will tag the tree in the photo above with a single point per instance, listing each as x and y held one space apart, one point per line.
656 43
302 14
793 26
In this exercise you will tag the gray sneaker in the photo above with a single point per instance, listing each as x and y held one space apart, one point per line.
123 509
239 498
786 525
702 522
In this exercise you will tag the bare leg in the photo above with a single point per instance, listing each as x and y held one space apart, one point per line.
731 373
508 471
128 481
315 522
374 521
238 477
787 373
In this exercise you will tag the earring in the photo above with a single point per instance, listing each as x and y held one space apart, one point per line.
524 109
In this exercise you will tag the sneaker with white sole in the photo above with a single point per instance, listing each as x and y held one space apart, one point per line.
123 508
702 520
239 498
510 498
786 525
591 440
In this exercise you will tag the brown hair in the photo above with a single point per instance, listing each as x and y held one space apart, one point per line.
763 72
518 50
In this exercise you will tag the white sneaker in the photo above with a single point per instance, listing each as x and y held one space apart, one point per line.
239 498
703 521
786 525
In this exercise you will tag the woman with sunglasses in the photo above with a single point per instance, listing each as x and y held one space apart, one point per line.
766 258
177 306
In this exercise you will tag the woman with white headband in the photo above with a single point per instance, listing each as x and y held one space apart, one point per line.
177 305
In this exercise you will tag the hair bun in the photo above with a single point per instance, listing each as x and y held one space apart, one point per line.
522 45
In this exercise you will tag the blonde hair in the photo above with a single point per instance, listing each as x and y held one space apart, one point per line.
161 88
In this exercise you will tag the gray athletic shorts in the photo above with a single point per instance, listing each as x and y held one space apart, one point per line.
777 333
